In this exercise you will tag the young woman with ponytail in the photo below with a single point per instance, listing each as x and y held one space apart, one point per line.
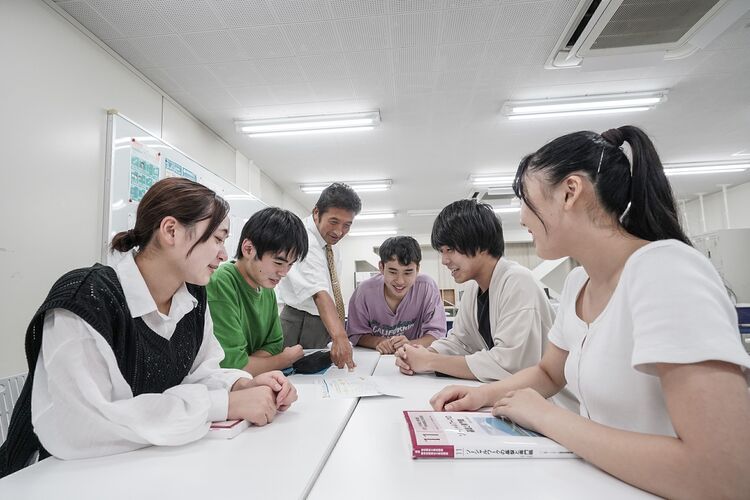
125 357
646 336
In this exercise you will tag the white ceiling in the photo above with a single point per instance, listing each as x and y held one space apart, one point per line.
438 71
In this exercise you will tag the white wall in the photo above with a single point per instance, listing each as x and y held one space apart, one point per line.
57 85
738 199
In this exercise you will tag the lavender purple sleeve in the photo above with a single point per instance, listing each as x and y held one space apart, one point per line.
357 323
434 315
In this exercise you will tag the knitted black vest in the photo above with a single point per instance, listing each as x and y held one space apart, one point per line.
149 363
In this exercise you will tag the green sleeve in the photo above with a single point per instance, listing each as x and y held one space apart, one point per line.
275 341
228 327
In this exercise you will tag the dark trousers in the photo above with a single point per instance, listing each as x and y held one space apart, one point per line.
303 328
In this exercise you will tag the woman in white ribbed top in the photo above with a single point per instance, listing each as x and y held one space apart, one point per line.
646 336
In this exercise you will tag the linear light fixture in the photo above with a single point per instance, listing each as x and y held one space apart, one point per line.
583 105
375 232
495 180
376 215
309 124
359 186
430 212
506 210
704 167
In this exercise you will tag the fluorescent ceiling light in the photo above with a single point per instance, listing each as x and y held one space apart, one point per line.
699 168
495 180
308 124
423 213
506 210
376 215
359 186
583 105
377 232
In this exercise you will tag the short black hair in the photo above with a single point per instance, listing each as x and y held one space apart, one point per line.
404 248
468 227
339 195
275 230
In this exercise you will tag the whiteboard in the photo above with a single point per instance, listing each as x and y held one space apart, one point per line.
136 159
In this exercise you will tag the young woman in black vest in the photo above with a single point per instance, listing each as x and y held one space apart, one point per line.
124 357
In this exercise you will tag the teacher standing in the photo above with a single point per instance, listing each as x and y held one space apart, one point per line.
314 311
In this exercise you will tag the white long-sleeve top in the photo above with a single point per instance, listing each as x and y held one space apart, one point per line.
81 404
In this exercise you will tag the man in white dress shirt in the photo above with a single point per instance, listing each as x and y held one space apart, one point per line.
314 308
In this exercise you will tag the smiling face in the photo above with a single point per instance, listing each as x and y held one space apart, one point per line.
265 272
333 224
462 267
398 279
205 257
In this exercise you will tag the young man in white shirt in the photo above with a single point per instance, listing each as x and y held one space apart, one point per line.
504 317
314 311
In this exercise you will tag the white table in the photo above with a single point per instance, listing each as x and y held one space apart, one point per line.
372 459
281 460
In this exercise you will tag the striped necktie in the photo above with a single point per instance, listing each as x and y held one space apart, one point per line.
335 282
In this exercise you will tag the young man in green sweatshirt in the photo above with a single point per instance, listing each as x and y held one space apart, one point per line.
241 298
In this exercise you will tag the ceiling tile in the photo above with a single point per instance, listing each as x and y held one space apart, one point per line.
131 54
419 59
188 15
358 8
455 57
291 93
88 17
243 13
215 46
193 77
456 80
370 64
312 38
214 99
366 33
257 95
165 50
422 28
414 83
469 25
132 17
282 70
236 74
324 67
398 6
263 42
519 51
297 11
332 90
163 80
522 20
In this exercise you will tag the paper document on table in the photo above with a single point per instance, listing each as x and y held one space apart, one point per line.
351 387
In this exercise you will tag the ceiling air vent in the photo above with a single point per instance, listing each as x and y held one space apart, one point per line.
607 34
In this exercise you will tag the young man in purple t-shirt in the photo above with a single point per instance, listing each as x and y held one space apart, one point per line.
399 305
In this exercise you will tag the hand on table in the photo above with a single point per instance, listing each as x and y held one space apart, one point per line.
285 392
412 359
341 353
458 398
523 406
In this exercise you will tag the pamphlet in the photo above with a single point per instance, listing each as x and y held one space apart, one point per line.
476 435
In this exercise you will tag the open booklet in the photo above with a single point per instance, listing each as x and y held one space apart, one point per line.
476 435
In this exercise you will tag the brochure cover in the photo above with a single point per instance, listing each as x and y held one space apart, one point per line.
476 435
227 429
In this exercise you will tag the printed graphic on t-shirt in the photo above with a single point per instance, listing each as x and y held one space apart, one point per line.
391 330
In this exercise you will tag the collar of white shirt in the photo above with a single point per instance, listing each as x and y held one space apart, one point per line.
311 227
139 299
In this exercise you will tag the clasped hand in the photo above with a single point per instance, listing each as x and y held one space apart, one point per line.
258 400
